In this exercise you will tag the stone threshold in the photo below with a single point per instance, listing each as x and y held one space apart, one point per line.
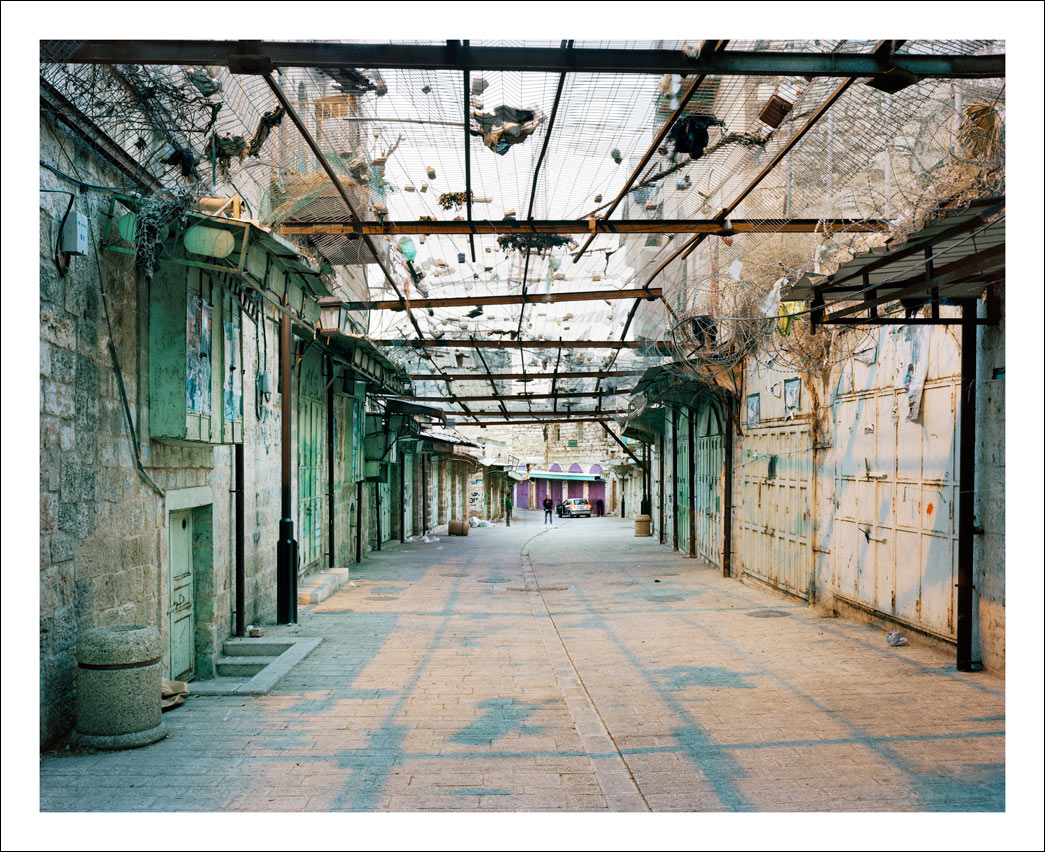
265 680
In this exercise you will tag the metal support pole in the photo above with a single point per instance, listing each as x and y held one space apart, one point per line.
692 490
727 487
967 486
644 508
331 556
241 581
424 496
674 479
660 488
377 512
287 546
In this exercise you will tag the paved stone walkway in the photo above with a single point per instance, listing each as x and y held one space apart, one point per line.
573 668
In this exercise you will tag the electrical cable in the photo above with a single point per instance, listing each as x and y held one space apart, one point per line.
148 480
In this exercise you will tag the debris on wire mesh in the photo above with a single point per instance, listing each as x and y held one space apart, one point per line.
534 242
204 83
454 200
690 134
264 128
504 126
350 81
895 638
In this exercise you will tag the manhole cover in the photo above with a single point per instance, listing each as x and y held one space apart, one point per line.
766 613
496 580
382 598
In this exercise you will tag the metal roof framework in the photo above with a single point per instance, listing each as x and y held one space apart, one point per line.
577 79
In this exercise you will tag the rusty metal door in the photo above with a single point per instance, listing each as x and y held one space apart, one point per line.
896 494
774 509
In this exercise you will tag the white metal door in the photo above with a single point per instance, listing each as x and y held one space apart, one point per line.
180 616
773 508
896 494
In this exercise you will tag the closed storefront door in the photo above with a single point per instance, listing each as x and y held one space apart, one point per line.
180 610
895 543
311 435
774 512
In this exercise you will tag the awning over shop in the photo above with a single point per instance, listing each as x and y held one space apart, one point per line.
573 477
401 406
366 360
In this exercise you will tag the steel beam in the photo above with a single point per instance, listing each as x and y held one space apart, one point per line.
695 83
526 396
336 181
533 187
535 414
547 60
517 299
687 248
331 227
579 374
530 344
541 422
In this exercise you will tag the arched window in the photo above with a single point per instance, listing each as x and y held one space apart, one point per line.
555 468
576 468
596 469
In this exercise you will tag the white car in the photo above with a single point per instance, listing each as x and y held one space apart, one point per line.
576 507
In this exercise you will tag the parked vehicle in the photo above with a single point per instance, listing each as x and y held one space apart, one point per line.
576 507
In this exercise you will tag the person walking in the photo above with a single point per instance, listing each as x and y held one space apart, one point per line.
548 506
508 509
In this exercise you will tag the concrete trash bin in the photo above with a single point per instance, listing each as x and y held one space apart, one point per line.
118 687
643 524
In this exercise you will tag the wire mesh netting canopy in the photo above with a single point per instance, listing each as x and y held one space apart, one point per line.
567 213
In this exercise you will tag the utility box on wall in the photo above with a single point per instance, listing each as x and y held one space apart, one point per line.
195 359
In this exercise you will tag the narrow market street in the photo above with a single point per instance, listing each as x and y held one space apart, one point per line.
574 668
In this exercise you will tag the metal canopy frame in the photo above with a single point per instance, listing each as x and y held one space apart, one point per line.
711 58
259 57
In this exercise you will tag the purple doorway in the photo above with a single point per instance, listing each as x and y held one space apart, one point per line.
522 496
575 489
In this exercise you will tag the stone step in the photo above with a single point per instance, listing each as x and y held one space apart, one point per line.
240 666
244 647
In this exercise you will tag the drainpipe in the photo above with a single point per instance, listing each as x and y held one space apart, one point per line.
359 521
692 492
330 463
966 487
286 547
402 495
674 479
727 487
241 592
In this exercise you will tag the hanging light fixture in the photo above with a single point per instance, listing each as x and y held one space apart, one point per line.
333 315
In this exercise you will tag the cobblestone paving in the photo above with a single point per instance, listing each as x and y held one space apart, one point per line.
568 668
